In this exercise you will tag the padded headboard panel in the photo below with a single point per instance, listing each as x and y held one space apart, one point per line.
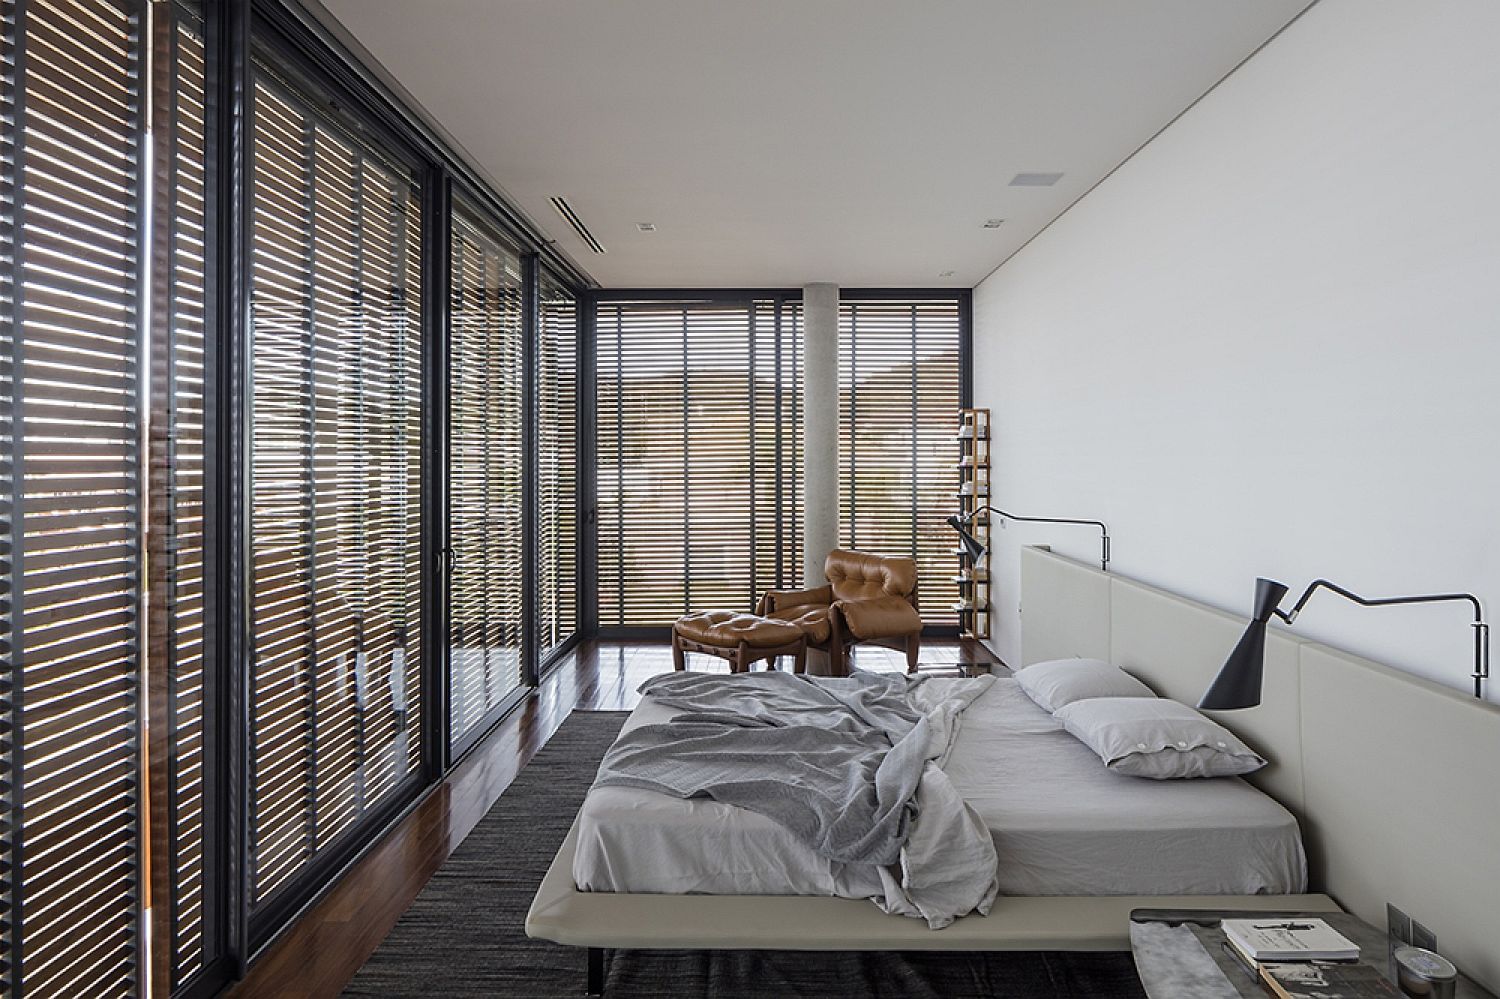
1180 661
1403 780
1395 780
1051 582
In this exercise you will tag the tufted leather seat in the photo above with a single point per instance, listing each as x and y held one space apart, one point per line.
883 617
868 598
742 639
729 628
811 621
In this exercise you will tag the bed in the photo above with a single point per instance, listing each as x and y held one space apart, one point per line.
1062 823
1325 725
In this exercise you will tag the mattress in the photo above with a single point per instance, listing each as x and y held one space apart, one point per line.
1063 824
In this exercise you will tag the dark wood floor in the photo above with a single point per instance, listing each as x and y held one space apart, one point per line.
319 954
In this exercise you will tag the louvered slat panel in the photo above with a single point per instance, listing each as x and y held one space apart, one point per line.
71 107
177 553
485 466
689 456
557 466
899 396
335 520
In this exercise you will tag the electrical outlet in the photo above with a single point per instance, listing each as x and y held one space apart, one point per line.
1397 933
1422 937
1397 924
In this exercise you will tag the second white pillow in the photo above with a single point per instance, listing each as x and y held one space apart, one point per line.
1059 682
1159 739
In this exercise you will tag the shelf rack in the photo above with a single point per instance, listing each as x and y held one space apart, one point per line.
973 576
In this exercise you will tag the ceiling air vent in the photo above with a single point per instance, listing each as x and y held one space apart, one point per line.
566 211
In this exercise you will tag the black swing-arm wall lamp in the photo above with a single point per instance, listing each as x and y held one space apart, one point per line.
1238 684
975 547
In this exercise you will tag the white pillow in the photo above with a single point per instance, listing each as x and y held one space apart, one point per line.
1157 738
1059 682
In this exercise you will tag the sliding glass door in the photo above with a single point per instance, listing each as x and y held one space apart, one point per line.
699 473
557 465
485 479
335 512
72 526
900 390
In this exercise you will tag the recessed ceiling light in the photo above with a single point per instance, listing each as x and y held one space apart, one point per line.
993 223
945 274
646 226
1035 179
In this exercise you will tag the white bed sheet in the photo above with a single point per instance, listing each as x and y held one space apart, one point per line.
1063 824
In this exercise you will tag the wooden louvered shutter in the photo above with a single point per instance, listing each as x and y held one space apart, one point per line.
776 444
899 396
557 466
695 471
71 111
485 475
335 513
181 580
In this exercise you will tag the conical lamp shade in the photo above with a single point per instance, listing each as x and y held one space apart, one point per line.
1238 684
971 544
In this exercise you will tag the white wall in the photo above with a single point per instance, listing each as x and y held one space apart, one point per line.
1270 343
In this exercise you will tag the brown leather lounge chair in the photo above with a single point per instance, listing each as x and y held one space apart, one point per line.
869 598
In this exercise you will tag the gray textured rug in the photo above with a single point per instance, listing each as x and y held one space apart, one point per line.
465 933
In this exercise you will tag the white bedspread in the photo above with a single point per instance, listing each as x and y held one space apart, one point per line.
1061 823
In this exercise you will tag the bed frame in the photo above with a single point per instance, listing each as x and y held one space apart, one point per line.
1398 771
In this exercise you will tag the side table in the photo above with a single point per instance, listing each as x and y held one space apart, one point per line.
1179 952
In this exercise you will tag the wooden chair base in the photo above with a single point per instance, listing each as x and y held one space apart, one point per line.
740 656
842 648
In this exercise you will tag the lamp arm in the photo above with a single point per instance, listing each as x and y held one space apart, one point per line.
1481 629
1103 529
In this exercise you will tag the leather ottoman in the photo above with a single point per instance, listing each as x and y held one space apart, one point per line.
742 639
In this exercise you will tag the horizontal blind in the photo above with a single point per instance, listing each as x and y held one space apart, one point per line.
71 109
177 554
335 477
485 475
697 477
899 397
557 466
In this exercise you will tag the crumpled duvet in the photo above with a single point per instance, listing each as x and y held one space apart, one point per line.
851 766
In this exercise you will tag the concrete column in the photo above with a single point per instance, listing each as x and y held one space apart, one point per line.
820 428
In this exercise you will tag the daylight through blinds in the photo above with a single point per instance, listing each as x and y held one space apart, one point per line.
72 118
699 470
335 475
899 397
180 572
484 473
557 465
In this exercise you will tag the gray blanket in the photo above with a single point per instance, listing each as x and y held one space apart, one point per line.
837 761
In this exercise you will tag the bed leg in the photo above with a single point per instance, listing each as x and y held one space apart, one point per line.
595 984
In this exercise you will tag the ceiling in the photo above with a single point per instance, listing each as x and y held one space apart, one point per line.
778 142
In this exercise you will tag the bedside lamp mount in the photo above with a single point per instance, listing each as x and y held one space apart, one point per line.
1238 684
975 547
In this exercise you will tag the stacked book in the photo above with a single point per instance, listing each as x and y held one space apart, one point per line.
1304 958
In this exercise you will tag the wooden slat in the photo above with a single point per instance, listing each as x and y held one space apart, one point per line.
335 531
71 575
898 411
557 466
697 492
178 468
485 456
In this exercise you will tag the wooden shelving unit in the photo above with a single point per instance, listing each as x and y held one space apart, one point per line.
973 577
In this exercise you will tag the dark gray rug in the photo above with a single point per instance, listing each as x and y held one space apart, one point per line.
465 933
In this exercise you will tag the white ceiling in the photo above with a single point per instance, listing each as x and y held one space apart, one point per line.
779 142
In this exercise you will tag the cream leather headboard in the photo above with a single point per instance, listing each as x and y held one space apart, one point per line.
1395 780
